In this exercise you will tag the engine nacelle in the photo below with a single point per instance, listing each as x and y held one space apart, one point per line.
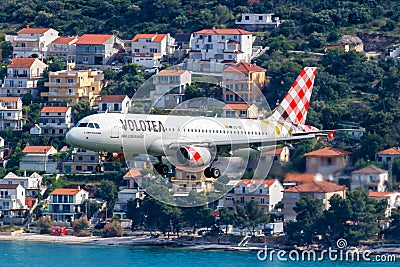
193 156
113 157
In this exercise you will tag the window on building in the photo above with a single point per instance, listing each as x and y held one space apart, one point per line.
136 50
19 83
241 200
153 50
57 80
246 17
260 191
70 80
78 168
11 83
243 189
229 97
116 107
329 161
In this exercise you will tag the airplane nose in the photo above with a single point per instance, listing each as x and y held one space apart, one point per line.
70 137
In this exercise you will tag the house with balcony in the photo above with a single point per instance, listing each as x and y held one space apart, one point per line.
11 116
170 87
321 190
243 82
124 195
5 153
54 121
258 22
12 201
392 198
22 77
65 204
221 45
370 178
39 158
98 49
294 178
33 184
32 41
72 86
240 110
186 180
114 104
149 49
267 193
81 161
327 161
63 47
386 157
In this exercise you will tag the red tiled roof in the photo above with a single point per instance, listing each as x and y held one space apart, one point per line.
156 38
299 178
29 30
236 106
93 38
316 187
9 99
176 72
390 151
21 63
255 182
223 31
63 40
112 98
65 191
328 152
380 194
274 152
55 109
245 68
370 169
134 172
8 186
36 149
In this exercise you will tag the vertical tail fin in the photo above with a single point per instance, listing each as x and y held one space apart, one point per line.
294 106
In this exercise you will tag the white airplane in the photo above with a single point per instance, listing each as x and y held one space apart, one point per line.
196 142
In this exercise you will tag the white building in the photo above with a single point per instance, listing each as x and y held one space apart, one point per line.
30 41
267 193
392 198
38 158
170 87
149 49
257 22
66 204
114 103
123 196
12 200
53 121
32 184
222 45
63 47
370 178
22 77
11 113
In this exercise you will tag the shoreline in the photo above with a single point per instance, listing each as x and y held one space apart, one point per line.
147 241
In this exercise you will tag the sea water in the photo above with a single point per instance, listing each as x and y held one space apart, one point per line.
32 254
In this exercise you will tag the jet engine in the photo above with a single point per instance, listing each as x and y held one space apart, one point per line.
193 156
113 157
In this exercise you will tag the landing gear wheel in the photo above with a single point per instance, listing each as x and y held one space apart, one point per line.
99 168
162 169
215 172
207 172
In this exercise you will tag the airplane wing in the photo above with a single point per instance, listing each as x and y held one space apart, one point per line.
236 144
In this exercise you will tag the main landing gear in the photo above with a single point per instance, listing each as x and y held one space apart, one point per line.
160 167
212 172
100 166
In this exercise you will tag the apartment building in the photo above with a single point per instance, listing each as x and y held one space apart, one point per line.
54 121
32 41
149 49
72 86
63 47
11 116
243 82
222 45
66 204
22 77
114 103
98 49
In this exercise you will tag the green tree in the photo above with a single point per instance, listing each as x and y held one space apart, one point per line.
80 225
81 110
134 212
107 191
226 217
250 216
7 49
44 225
91 206
192 91
112 229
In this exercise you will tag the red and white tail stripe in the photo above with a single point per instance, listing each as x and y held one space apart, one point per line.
294 106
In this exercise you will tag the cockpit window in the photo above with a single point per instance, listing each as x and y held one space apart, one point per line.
96 125
82 124
91 125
